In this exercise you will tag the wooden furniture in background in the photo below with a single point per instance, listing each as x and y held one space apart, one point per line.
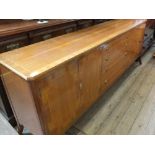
52 83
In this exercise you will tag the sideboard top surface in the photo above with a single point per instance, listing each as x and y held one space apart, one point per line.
32 61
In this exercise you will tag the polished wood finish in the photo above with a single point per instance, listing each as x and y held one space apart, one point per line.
37 59
63 77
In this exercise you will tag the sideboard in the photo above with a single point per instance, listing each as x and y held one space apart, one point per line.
52 83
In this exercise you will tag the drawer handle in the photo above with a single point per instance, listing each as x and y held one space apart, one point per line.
47 36
105 81
12 46
103 46
126 53
81 85
106 59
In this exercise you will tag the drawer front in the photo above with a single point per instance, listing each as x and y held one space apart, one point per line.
110 52
7 44
45 34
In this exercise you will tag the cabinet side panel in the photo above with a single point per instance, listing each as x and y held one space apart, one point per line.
22 102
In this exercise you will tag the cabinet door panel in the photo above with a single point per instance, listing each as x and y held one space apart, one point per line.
90 77
59 98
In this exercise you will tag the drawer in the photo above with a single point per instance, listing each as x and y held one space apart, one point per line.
118 55
84 23
112 51
115 60
13 42
113 72
44 34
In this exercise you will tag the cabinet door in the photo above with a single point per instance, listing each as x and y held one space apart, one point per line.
58 96
90 78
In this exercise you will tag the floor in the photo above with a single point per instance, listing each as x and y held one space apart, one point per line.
126 108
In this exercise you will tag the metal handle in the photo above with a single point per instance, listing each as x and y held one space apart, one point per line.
126 44
105 81
47 36
81 85
12 46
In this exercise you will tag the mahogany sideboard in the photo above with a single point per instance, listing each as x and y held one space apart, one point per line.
19 33
52 83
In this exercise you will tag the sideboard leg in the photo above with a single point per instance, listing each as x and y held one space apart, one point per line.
20 129
139 60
